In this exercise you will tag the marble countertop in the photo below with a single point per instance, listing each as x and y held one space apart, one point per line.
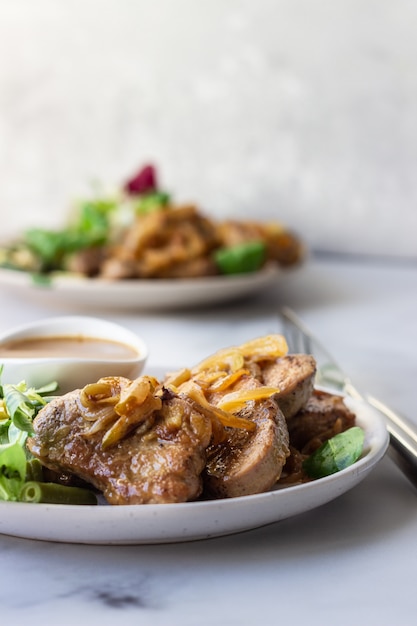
349 561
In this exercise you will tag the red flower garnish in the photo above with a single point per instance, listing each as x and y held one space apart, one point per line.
143 182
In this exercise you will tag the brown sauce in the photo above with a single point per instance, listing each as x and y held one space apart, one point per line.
67 346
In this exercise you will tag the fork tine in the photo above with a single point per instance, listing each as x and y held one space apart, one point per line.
298 342
299 336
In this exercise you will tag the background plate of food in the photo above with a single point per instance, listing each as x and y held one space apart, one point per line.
136 248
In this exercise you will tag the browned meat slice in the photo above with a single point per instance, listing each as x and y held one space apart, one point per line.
160 461
293 375
322 417
248 462
86 261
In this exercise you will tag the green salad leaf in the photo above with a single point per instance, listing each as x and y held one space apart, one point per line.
151 202
335 454
22 404
18 407
242 258
90 226
21 474
93 219
12 470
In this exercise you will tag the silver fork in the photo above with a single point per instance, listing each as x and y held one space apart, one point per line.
402 432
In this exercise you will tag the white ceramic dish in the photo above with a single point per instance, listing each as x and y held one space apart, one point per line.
75 291
72 372
168 523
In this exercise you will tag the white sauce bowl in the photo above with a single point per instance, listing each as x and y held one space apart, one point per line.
71 372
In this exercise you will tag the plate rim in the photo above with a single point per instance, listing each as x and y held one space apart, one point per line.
60 280
161 293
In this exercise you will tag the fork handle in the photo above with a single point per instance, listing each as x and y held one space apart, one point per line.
403 439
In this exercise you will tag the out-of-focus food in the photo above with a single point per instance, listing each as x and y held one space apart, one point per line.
142 233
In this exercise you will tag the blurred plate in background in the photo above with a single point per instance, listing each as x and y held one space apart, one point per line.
74 291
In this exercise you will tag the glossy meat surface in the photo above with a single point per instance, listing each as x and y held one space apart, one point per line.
293 375
249 462
161 465
323 416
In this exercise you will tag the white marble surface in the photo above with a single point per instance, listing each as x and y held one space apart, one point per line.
304 111
350 561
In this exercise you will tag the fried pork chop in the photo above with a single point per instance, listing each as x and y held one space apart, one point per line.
293 375
158 462
248 462
322 417
219 429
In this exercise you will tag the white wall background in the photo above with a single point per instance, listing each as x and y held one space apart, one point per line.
305 110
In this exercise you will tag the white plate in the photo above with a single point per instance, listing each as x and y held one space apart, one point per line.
168 523
71 290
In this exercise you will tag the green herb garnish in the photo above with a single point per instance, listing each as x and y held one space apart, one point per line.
151 202
242 258
335 454
91 227
12 470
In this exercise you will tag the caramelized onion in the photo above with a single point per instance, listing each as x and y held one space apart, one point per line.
229 359
105 420
126 423
237 399
266 348
228 380
194 392
95 414
106 390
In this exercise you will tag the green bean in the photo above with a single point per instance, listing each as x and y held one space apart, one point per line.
39 492
34 470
